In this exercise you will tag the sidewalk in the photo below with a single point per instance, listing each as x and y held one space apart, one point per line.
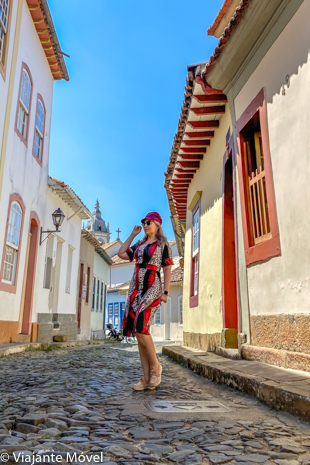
279 388
18 347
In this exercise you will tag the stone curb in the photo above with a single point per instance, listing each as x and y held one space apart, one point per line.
292 399
277 357
23 347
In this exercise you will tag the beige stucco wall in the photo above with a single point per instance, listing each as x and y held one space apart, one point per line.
282 284
207 317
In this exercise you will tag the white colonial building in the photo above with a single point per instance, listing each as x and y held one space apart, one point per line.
38 280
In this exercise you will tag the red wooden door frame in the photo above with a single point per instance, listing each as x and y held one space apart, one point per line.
80 295
230 301
29 273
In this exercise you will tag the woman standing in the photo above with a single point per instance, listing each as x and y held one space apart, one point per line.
145 292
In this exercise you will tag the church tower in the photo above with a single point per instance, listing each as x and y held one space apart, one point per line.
97 227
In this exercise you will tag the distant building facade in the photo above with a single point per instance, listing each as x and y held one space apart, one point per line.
92 288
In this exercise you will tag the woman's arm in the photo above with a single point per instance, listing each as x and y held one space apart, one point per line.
122 251
167 279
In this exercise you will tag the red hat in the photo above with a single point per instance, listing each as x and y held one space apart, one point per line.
154 216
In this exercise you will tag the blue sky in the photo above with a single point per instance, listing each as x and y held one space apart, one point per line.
114 122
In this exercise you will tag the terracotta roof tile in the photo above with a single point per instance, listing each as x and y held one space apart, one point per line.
176 275
117 260
219 17
43 23
120 287
235 20
109 244
196 74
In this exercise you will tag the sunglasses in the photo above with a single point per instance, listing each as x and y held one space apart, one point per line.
148 222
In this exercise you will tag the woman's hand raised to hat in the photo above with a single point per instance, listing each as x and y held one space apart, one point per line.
136 230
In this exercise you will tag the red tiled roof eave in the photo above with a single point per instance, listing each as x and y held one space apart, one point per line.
219 17
235 20
43 23
196 74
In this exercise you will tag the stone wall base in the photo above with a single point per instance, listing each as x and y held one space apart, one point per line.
57 324
208 341
98 335
277 357
285 331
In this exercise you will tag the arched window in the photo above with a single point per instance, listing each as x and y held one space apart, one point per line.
24 104
39 132
12 243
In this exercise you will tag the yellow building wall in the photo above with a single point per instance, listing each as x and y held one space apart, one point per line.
206 318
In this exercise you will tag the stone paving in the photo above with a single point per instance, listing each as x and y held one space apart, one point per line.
76 405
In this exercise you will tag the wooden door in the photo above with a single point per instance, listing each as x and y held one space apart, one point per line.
80 295
29 279
229 287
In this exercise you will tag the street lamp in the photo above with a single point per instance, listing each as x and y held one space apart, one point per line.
58 217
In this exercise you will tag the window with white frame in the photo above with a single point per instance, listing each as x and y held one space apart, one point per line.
4 15
196 249
180 304
12 242
104 297
157 319
39 134
110 313
69 269
87 284
48 263
94 294
116 314
24 104
101 297
98 292
195 253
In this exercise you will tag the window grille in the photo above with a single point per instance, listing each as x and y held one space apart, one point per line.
38 138
12 243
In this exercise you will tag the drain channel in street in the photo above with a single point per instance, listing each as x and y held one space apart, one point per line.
179 406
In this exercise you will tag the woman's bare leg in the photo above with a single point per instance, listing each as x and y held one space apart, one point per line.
147 354
144 359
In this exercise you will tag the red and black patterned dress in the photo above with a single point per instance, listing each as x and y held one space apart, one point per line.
145 287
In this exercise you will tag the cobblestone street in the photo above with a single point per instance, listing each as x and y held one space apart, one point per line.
80 400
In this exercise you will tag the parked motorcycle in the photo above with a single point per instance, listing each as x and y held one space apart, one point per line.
114 333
